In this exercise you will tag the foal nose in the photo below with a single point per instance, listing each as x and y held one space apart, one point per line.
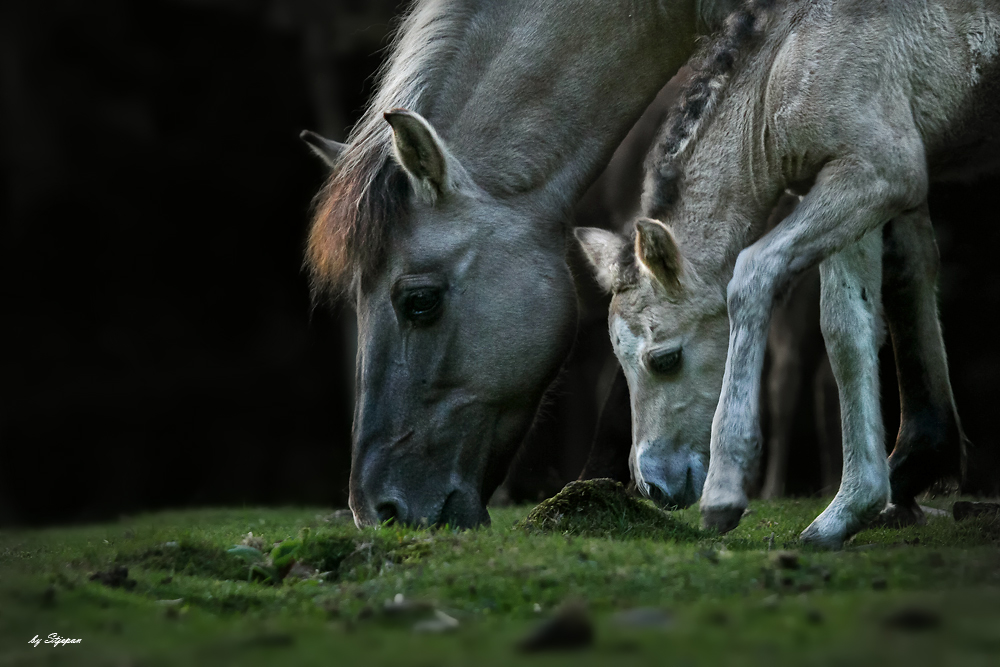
391 509
679 500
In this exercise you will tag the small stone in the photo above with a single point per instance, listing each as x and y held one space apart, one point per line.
770 602
441 622
933 511
570 628
963 509
913 619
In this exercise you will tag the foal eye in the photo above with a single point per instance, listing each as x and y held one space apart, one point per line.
662 362
422 305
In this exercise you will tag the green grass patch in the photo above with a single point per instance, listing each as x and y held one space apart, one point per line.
730 601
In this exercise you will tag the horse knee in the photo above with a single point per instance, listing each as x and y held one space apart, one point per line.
750 291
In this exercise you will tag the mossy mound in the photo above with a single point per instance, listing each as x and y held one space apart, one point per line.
603 508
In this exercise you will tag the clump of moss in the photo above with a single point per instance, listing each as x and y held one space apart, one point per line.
603 508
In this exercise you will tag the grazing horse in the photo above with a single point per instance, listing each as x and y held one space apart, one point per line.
445 221
857 106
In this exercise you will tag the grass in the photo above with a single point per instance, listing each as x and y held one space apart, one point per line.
730 601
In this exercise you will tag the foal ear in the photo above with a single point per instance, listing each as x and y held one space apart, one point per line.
327 150
602 249
657 251
422 153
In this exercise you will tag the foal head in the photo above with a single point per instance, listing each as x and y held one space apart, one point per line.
670 332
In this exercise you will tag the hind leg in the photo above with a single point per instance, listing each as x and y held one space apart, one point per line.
930 444
851 320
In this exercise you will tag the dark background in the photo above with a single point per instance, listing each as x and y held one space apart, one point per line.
161 348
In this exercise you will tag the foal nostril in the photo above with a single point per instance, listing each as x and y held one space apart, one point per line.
391 510
660 497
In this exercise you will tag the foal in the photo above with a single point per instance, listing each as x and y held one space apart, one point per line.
856 105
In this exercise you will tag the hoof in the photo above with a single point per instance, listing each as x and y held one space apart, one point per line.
899 515
722 519
814 536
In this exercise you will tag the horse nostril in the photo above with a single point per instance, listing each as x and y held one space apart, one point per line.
661 498
390 510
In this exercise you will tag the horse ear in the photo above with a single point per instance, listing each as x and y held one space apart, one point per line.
657 251
422 153
602 249
327 150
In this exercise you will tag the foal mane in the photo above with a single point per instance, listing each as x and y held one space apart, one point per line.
367 193
713 68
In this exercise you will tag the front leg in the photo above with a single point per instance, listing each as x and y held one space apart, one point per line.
851 320
852 196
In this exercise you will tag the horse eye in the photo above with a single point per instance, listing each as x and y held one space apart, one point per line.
422 306
664 362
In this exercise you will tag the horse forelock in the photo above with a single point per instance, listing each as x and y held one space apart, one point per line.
367 194
713 66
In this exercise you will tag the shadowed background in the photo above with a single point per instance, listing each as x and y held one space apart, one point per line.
161 346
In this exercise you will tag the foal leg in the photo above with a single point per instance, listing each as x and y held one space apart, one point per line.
930 444
853 196
851 319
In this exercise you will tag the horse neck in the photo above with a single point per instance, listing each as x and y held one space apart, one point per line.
538 95
728 193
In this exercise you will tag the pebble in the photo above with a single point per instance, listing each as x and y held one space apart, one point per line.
441 622
570 628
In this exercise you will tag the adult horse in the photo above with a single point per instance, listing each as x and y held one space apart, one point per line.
911 98
444 219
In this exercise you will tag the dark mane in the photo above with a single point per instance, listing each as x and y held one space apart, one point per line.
713 67
367 195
